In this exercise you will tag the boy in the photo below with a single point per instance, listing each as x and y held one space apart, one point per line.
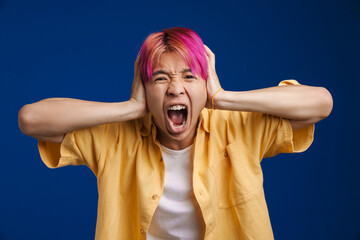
167 167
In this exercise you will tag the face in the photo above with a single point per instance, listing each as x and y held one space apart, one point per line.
175 98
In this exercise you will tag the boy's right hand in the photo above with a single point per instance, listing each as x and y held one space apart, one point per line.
138 97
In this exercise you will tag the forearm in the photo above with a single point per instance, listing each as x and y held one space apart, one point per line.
57 116
292 102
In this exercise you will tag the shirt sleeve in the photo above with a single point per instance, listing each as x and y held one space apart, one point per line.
279 137
276 135
267 135
80 147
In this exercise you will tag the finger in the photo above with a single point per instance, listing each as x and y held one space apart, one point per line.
208 51
137 61
137 57
210 56
137 66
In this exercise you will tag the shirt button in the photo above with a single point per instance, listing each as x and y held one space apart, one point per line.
142 231
154 197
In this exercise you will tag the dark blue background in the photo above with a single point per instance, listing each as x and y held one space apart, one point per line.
86 50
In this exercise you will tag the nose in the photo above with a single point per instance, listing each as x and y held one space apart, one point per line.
176 88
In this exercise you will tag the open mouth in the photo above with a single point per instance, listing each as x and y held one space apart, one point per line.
177 115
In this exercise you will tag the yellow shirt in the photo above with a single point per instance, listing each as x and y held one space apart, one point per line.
227 176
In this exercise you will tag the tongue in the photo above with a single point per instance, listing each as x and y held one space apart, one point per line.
176 117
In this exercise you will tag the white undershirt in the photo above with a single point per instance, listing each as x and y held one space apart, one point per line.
178 215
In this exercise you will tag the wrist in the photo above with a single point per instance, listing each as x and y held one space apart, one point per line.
137 109
218 99
216 95
233 101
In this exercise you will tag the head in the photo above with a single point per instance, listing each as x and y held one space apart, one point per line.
173 66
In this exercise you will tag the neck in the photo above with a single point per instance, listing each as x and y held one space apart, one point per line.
175 143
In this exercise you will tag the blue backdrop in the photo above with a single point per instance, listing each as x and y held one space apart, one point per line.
86 50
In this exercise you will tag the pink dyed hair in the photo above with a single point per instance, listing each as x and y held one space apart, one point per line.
183 41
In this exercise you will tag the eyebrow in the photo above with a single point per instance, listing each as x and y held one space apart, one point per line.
165 72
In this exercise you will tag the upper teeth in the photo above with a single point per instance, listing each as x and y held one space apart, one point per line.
177 107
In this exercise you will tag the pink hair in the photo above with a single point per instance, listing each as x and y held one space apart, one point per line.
183 41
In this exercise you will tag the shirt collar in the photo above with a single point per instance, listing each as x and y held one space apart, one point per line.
204 120
145 124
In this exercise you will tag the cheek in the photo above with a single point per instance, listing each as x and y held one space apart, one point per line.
199 97
203 93
153 99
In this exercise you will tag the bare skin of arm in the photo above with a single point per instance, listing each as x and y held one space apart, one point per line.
50 119
302 105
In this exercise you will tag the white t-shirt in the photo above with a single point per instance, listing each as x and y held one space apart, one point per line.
178 214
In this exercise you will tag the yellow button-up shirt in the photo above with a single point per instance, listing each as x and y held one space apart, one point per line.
227 176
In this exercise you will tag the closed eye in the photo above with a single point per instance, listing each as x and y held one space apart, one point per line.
161 80
189 77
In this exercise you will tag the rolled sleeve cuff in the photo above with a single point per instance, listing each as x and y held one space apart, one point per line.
60 155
